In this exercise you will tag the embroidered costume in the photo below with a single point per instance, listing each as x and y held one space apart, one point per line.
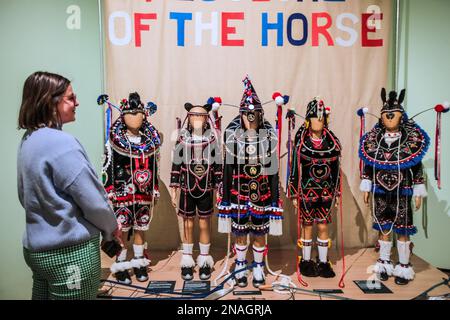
250 193
197 173
314 183
197 177
130 175
393 174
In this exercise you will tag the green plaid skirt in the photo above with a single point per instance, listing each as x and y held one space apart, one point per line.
70 273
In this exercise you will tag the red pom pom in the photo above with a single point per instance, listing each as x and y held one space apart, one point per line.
275 95
218 100
439 108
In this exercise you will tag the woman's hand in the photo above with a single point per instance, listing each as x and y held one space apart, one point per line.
295 203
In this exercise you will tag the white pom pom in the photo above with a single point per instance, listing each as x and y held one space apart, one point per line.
446 105
365 110
215 106
279 101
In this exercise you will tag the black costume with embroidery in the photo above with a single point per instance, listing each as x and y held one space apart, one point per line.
315 175
197 171
393 170
314 178
250 180
130 173
392 167
250 193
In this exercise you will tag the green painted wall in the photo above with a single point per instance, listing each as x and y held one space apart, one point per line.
425 72
34 37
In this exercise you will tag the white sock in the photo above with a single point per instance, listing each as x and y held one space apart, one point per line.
404 251
241 255
322 246
385 250
188 248
241 252
306 250
122 256
258 254
186 259
138 250
204 248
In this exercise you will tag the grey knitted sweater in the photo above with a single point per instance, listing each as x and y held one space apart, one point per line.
65 203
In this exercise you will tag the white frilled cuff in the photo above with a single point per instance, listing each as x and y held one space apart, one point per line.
366 185
420 191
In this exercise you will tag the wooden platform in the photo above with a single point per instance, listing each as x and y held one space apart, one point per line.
165 266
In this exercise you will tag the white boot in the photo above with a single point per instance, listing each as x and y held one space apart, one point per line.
384 267
403 270
258 272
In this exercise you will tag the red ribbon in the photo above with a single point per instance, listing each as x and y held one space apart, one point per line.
437 151
341 281
280 128
299 216
361 133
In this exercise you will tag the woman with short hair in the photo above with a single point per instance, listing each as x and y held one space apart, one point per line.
65 204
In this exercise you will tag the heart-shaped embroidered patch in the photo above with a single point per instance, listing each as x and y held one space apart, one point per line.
389 180
142 177
320 171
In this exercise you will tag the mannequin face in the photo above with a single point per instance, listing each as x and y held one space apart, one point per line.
317 125
197 121
391 120
251 125
134 121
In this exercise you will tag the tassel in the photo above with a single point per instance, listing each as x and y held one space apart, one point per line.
341 213
291 126
437 151
440 108
280 128
224 225
108 123
275 227
362 130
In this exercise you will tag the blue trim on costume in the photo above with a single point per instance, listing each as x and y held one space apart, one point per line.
398 230
405 231
236 215
403 191
382 227
406 165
